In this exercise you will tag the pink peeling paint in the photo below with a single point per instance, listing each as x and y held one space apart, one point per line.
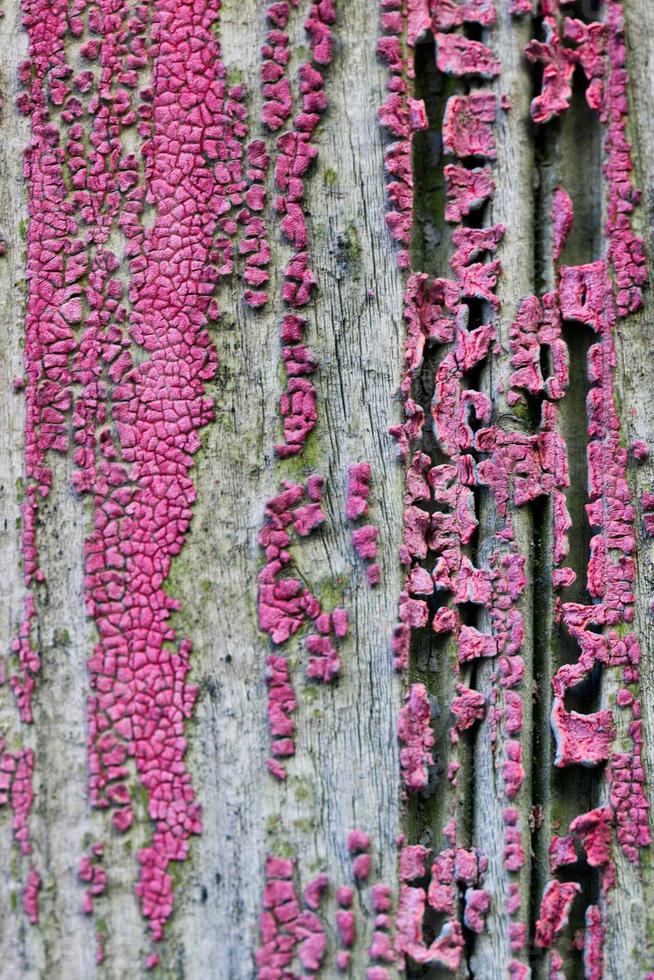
594 944
158 407
364 539
46 384
280 911
554 910
254 243
453 13
467 190
136 468
91 872
295 153
562 218
450 869
31 896
400 116
457 55
285 607
416 738
468 707
439 516
358 489
519 8
357 842
477 902
444 951
581 739
468 125
587 295
558 67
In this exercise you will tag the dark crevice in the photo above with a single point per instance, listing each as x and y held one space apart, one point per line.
431 243
574 429
568 155
544 141
431 250
586 10
474 32
433 656
581 150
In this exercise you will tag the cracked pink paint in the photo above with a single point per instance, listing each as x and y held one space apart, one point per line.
401 116
519 8
554 910
587 295
558 68
562 218
453 13
46 383
468 125
254 243
364 539
416 738
468 707
460 56
142 491
449 869
467 190
31 895
285 606
358 488
91 872
295 153
581 739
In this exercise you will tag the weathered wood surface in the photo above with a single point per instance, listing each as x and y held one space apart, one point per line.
346 770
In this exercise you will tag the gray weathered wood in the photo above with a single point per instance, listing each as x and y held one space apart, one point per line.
346 771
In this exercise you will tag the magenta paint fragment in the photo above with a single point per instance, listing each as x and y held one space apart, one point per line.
453 13
468 125
285 606
295 152
460 56
92 873
31 895
558 67
444 951
358 488
554 910
477 903
519 8
401 116
467 190
364 538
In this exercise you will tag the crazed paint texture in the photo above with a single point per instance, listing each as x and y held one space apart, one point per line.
294 930
129 367
115 372
286 605
124 249
143 492
288 928
295 152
